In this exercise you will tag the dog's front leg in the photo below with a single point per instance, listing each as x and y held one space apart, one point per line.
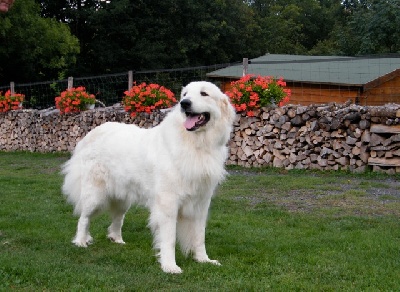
191 230
199 248
163 224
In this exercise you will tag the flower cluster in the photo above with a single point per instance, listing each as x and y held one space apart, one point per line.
248 94
74 100
10 101
147 98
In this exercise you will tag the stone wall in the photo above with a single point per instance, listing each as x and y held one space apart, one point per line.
325 137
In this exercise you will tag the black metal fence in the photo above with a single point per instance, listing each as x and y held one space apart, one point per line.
110 88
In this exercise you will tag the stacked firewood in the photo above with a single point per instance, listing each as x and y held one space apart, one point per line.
48 131
325 137
385 147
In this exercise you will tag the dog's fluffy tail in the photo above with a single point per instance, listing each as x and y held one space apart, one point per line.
72 183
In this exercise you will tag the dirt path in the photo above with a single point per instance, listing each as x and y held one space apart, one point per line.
339 196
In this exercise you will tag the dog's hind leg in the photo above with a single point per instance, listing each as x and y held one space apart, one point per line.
117 215
89 205
82 237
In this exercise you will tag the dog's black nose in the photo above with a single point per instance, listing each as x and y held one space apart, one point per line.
186 104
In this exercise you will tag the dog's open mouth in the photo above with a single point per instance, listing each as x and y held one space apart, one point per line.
196 120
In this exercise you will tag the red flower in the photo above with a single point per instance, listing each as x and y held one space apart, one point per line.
74 100
10 101
147 98
249 93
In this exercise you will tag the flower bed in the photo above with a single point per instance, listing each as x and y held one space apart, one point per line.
74 100
249 94
147 98
10 101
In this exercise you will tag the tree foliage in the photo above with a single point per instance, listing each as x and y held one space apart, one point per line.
372 27
40 41
149 34
34 48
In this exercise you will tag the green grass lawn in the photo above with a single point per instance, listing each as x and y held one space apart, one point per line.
271 230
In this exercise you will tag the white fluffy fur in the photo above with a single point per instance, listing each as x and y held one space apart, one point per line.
168 169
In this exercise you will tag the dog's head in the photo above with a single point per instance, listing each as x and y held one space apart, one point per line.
203 103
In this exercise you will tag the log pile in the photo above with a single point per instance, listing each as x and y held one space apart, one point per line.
385 148
48 131
325 137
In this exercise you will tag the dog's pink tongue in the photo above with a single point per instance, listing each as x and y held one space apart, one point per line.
191 122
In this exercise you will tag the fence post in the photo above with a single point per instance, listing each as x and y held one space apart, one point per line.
70 82
12 88
245 66
130 79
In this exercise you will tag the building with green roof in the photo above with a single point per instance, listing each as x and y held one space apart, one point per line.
367 80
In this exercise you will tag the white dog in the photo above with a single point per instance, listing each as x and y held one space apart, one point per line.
172 169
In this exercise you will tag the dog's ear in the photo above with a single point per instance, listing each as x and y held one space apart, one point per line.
227 109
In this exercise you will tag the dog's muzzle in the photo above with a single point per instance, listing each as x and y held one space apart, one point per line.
193 120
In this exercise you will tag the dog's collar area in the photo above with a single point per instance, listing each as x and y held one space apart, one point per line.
196 120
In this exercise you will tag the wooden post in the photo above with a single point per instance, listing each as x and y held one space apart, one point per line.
130 79
12 88
245 66
70 82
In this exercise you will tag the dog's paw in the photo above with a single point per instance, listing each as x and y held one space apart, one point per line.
80 243
207 260
171 269
214 262
83 242
116 239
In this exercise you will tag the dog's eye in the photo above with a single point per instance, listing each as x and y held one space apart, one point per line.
203 93
185 94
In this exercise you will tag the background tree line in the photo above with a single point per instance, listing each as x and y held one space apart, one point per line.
50 39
